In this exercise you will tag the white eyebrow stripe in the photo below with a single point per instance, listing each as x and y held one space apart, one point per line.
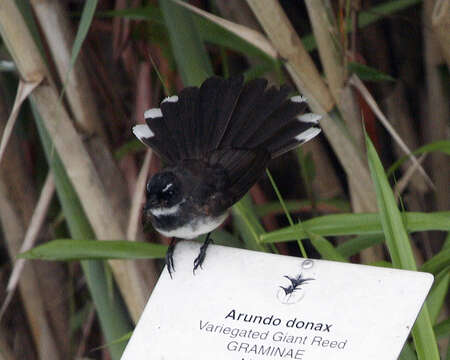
142 132
168 186
165 211
153 113
299 99
308 134
172 99
309 118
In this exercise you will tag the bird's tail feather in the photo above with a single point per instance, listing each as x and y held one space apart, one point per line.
226 114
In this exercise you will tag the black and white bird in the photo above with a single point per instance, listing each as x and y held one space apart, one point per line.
216 142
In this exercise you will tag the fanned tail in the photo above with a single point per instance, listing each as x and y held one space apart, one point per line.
225 115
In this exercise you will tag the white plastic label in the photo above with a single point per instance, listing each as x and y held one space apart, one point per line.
246 305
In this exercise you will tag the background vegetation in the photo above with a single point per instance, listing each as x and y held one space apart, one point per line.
76 75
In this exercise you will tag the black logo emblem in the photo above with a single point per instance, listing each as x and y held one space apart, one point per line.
292 293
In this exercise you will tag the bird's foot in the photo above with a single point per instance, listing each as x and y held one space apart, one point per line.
202 254
169 256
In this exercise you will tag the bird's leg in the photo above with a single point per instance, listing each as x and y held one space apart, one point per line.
169 256
201 256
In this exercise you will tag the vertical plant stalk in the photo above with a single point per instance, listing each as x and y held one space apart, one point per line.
307 79
24 89
17 202
440 19
58 33
30 237
357 83
332 57
110 309
81 98
330 49
286 211
6 352
435 124
138 197
76 160
284 38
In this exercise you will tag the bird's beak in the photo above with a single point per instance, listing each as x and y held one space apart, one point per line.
151 203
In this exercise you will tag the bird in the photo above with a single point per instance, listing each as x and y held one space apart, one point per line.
216 141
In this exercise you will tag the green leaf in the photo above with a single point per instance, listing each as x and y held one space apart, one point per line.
247 223
208 30
78 319
325 248
286 212
368 73
407 353
221 237
437 262
190 54
399 247
382 263
357 224
259 70
441 146
272 207
354 246
83 29
368 17
385 9
129 147
438 293
70 249
123 339
220 36
443 329
397 239
149 12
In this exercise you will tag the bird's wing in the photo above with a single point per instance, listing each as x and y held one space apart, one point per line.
243 168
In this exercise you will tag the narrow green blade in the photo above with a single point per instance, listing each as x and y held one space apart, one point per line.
70 249
399 247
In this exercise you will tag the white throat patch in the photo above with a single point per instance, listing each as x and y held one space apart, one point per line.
165 211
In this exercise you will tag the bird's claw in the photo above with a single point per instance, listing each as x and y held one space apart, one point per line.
198 262
169 257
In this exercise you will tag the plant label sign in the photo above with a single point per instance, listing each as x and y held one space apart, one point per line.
246 305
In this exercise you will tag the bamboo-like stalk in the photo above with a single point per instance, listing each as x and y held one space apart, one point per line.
6 352
81 170
59 35
330 49
398 111
284 38
435 123
308 80
440 19
16 204
332 56
30 237
80 97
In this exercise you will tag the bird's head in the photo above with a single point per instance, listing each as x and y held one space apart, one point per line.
163 194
